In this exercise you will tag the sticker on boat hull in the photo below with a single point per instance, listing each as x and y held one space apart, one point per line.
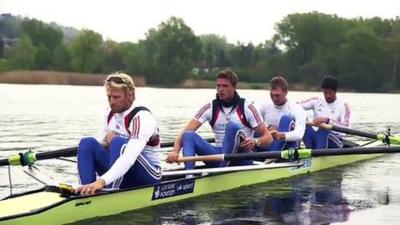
307 164
173 189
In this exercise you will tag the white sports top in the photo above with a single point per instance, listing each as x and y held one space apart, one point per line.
338 111
272 114
228 114
142 126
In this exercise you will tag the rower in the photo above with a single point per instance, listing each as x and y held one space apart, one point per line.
233 121
285 119
328 110
126 153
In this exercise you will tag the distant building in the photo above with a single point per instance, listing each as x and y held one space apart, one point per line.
1 48
5 41
5 16
9 42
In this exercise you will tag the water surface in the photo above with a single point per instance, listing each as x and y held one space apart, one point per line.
49 117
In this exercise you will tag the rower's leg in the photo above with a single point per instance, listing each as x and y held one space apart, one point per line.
116 149
309 138
92 158
286 123
193 144
327 139
231 144
143 172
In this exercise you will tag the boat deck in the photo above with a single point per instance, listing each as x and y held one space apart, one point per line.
28 203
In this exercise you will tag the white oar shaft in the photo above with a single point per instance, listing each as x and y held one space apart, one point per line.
205 158
231 169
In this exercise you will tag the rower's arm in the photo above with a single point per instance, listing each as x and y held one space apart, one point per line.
344 120
265 139
193 125
142 129
203 115
308 104
300 124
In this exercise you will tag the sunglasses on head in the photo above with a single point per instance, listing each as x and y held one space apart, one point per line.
117 80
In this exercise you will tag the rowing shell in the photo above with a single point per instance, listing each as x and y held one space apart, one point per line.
48 206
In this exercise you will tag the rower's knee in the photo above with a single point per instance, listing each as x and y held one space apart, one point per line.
188 135
322 133
286 123
117 142
87 143
233 126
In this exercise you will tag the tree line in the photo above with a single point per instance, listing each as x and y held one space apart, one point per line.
364 54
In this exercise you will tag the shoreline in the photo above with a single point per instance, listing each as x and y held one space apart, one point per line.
72 78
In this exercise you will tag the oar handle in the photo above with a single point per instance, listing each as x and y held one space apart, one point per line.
385 138
171 143
355 132
345 130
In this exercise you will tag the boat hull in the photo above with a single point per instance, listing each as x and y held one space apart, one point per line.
52 209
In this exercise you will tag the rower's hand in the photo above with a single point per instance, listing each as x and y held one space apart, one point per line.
319 120
248 144
108 138
272 127
172 157
278 135
92 188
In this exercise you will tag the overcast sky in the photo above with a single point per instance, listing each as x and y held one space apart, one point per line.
237 20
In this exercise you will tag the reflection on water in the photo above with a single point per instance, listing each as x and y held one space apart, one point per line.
43 117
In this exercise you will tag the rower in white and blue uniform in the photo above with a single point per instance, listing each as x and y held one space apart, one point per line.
329 110
127 152
233 121
285 119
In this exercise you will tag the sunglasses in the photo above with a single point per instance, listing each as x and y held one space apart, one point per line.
117 80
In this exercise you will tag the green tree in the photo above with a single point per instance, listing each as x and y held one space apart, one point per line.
22 55
312 41
134 57
113 58
41 34
214 51
45 38
85 51
62 58
361 58
393 42
381 28
301 32
172 51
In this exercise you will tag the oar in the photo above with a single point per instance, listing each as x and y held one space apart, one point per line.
293 154
29 157
381 137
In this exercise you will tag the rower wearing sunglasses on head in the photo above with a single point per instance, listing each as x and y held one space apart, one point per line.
126 153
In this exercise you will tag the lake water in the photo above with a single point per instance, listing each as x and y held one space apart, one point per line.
50 117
